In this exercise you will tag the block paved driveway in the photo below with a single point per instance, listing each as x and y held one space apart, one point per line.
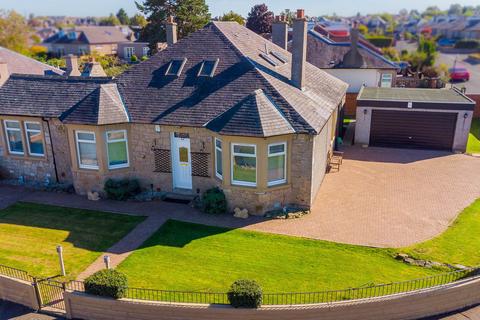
388 197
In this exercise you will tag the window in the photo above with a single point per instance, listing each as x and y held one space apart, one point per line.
146 51
175 67
386 81
60 51
208 68
33 131
218 158
14 137
277 164
87 150
117 149
129 52
244 165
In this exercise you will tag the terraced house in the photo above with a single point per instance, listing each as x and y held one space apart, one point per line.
223 107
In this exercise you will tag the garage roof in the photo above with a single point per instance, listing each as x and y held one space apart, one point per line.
452 99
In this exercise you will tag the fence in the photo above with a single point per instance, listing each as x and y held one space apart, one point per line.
51 292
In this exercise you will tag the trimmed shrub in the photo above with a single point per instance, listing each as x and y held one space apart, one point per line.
107 283
214 201
467 44
122 189
245 294
380 41
133 58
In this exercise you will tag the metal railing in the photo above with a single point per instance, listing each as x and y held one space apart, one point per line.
15 273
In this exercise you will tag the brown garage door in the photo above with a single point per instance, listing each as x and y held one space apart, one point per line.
413 129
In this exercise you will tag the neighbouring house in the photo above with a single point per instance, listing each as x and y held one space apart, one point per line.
88 39
221 108
13 62
414 118
353 62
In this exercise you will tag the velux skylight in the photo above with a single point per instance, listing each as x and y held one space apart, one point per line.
208 68
175 67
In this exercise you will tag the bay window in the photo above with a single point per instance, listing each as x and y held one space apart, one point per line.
218 159
244 165
117 149
33 132
277 164
86 149
14 137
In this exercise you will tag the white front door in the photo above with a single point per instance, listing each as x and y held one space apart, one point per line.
181 161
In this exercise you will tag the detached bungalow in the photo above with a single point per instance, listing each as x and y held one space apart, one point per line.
222 107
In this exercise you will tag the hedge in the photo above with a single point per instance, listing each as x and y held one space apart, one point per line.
245 294
380 41
214 201
122 189
107 283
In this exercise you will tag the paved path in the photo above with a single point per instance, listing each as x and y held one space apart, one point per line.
381 197
10 195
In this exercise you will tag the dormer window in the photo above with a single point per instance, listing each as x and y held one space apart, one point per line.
208 68
175 67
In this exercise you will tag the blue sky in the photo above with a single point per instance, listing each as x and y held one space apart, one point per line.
217 7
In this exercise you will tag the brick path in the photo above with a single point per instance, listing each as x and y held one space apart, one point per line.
381 197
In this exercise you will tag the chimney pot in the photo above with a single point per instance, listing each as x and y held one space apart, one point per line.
300 14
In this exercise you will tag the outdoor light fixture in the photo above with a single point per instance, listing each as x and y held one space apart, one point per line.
465 116
365 111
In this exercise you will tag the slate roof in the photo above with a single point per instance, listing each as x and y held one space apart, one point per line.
150 96
256 115
102 106
90 35
326 54
146 95
44 96
18 63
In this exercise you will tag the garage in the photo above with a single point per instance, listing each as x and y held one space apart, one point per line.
436 119
416 130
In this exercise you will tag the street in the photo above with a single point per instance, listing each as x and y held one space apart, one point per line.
473 86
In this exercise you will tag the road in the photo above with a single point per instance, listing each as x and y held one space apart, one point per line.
473 86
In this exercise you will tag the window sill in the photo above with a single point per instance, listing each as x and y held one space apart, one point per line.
20 156
120 167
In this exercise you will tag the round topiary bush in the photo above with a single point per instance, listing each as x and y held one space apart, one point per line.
214 201
107 283
245 294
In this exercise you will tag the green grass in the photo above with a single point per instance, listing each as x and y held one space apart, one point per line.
185 256
473 145
460 244
29 234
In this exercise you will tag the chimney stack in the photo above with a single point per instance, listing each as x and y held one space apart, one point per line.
354 35
4 74
280 32
72 66
299 49
171 28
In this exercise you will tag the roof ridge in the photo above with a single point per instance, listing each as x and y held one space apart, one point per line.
60 78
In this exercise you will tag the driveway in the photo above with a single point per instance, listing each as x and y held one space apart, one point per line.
388 198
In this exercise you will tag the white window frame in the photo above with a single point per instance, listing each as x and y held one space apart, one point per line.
219 176
19 129
244 183
125 139
284 153
183 61
390 78
28 139
146 51
129 52
77 140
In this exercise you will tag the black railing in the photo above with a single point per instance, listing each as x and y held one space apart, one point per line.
15 273
177 296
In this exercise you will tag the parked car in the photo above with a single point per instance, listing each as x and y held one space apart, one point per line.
446 42
459 74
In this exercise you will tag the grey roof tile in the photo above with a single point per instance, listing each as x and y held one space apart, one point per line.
18 63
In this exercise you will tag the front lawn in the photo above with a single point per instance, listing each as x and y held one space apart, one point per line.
192 257
29 234
473 145
460 244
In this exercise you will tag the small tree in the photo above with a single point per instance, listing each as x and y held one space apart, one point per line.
111 20
138 20
260 19
122 16
232 16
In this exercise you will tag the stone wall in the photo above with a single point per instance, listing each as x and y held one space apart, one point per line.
18 291
38 169
412 305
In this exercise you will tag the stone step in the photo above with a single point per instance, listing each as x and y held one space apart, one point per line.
179 196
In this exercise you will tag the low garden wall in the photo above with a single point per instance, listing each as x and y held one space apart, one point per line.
476 98
18 291
411 305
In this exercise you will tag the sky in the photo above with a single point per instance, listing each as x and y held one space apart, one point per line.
218 7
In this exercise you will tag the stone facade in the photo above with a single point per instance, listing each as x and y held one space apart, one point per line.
305 154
